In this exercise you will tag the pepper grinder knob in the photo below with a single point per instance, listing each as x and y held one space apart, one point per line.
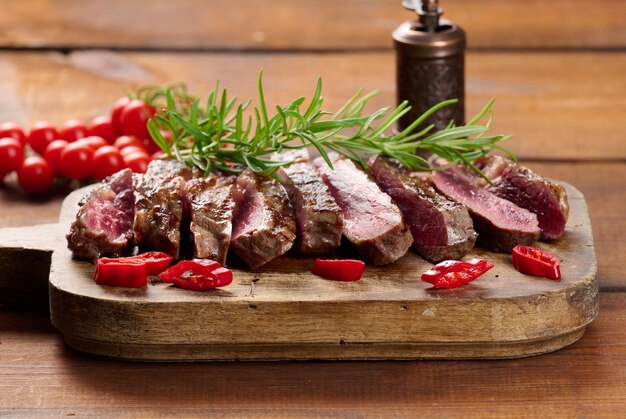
428 12
430 64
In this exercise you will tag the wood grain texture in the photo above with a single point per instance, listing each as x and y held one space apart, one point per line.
40 376
304 24
282 311
551 104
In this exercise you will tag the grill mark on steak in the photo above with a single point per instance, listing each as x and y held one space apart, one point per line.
501 225
442 229
103 225
211 207
319 219
372 222
159 209
263 224
528 190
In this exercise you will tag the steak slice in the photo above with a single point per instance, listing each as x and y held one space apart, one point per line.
372 222
442 229
501 225
158 212
211 205
263 224
527 189
319 219
103 225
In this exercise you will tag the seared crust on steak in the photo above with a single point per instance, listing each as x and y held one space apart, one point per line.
211 205
158 212
264 226
442 229
103 225
319 219
372 222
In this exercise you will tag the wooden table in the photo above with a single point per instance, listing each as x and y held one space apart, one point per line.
557 72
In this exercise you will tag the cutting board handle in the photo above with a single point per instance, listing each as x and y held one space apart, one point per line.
25 256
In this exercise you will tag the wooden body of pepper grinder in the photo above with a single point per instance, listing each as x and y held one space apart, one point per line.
430 65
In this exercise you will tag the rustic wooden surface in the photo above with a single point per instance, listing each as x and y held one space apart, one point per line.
559 88
282 311
303 24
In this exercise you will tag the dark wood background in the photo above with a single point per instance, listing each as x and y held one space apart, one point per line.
557 70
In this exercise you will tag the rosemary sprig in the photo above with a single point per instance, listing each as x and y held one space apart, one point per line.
226 134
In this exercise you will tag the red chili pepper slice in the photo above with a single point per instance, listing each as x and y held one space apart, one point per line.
339 269
455 273
211 264
156 262
196 276
121 272
533 261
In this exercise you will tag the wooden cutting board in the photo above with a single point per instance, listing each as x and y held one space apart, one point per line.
283 312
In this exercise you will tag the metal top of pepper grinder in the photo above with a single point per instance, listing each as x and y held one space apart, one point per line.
430 64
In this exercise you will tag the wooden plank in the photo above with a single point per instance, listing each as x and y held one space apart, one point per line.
551 103
310 24
40 376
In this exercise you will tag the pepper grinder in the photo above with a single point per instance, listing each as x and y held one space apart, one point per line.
430 65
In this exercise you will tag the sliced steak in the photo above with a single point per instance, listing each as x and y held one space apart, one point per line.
442 229
158 212
319 219
372 222
103 225
263 224
501 225
211 205
529 190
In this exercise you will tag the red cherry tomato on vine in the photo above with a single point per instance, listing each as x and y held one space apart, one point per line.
53 155
116 112
35 175
137 162
102 126
93 142
106 161
134 118
42 134
73 130
77 161
12 130
128 141
11 155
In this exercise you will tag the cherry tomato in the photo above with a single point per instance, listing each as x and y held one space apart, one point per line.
53 155
106 161
93 141
73 130
128 140
134 118
12 130
77 161
35 175
41 134
132 149
11 155
102 126
137 162
116 112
